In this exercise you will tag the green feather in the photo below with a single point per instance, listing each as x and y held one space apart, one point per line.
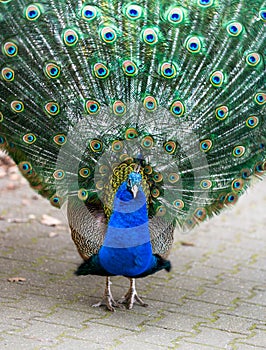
86 87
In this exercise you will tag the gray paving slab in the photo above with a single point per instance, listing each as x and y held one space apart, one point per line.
214 297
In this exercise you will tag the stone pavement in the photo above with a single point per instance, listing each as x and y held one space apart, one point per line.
214 297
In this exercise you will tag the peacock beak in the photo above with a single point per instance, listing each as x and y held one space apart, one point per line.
134 190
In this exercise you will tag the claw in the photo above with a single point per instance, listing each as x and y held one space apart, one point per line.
107 299
131 296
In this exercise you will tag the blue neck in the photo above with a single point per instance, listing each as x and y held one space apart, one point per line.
127 249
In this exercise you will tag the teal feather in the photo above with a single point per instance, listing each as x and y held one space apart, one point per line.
175 87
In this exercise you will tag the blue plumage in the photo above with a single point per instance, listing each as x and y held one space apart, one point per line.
127 248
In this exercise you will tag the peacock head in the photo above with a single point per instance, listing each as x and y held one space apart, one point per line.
134 182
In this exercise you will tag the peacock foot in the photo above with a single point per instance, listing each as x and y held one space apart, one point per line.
132 296
107 299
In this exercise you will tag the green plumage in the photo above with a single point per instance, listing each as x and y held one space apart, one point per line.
177 87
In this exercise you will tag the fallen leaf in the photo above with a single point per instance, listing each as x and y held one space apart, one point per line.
11 186
35 197
14 177
53 234
17 220
16 279
188 244
25 202
49 220
2 173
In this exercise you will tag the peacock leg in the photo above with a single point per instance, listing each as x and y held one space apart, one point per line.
107 299
131 296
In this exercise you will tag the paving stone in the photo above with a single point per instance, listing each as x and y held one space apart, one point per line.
250 311
201 308
233 324
216 296
259 339
242 346
213 298
214 337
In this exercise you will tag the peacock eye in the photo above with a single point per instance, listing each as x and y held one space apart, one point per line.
32 12
149 36
217 78
25 168
237 185
92 107
168 70
177 109
222 112
117 146
8 74
70 37
239 151
60 139
29 138
252 122
205 184
200 214
158 177
263 15
88 12
119 108
175 15
130 68
17 106
178 204
260 98
147 142
83 194
84 172
234 29
133 12
170 147
108 35
52 70
253 59
52 108
173 178
150 103
260 168
10 49
205 3
59 174
161 211
101 71
96 145
193 44
131 133
231 198
205 145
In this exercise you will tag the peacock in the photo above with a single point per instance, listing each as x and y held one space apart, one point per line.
133 117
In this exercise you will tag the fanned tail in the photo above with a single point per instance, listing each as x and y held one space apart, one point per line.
88 90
